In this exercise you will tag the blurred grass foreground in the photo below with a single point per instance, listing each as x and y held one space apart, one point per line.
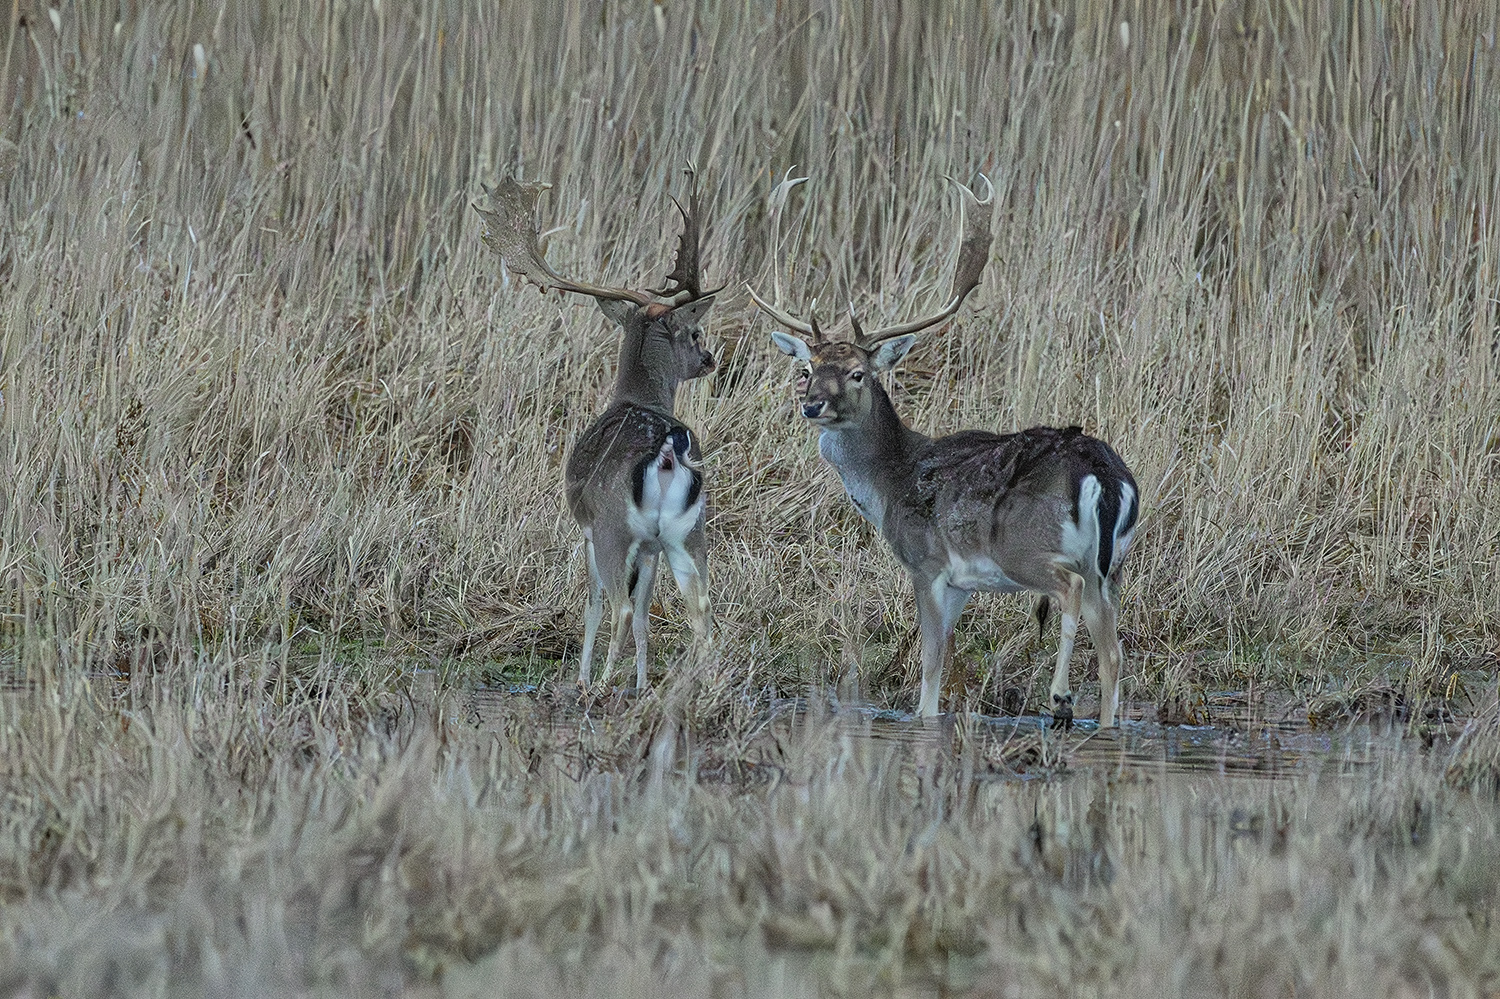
283 447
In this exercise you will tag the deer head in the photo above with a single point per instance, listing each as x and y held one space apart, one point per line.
664 342
835 378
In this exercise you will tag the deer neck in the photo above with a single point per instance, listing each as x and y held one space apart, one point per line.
645 377
875 456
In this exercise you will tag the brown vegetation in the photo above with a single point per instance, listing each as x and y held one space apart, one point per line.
277 433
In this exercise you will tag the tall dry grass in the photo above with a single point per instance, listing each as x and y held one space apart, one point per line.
262 382
276 431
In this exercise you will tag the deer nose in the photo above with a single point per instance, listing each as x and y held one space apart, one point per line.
812 410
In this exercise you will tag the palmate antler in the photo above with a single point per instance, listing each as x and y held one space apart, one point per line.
973 254
687 271
510 230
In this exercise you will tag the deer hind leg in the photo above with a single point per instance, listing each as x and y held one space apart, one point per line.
609 557
938 608
620 575
593 612
622 617
689 565
1100 618
642 584
1069 598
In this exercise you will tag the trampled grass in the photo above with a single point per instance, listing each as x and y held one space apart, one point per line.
277 432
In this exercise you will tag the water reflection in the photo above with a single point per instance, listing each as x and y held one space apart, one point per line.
1232 744
1238 736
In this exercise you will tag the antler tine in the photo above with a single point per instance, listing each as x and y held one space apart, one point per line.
973 254
687 270
781 317
778 202
510 230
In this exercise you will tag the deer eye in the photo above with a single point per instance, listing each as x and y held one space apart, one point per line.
856 376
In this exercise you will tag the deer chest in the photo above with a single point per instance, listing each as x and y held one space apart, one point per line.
862 490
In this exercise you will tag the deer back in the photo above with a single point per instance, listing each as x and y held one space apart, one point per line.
1019 501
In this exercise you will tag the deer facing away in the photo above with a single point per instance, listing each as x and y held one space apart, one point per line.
1047 510
633 480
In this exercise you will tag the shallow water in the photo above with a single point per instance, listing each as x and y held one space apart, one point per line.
1266 750
1238 736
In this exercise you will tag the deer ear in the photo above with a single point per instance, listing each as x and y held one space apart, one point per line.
890 352
617 310
691 314
791 346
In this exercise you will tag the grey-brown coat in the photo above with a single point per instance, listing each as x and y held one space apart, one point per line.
633 479
1047 510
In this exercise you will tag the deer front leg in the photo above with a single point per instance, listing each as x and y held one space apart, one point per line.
938 608
1069 598
621 609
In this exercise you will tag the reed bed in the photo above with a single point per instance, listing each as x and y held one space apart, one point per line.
262 381
282 441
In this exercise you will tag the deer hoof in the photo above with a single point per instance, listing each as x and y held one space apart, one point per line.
1062 710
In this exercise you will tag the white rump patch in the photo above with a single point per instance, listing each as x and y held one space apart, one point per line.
664 514
1122 537
1080 541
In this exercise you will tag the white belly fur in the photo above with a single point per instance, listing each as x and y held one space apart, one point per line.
979 572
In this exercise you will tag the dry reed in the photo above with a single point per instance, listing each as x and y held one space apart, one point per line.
278 433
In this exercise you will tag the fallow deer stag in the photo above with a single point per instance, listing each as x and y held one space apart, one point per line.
634 481
1047 510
